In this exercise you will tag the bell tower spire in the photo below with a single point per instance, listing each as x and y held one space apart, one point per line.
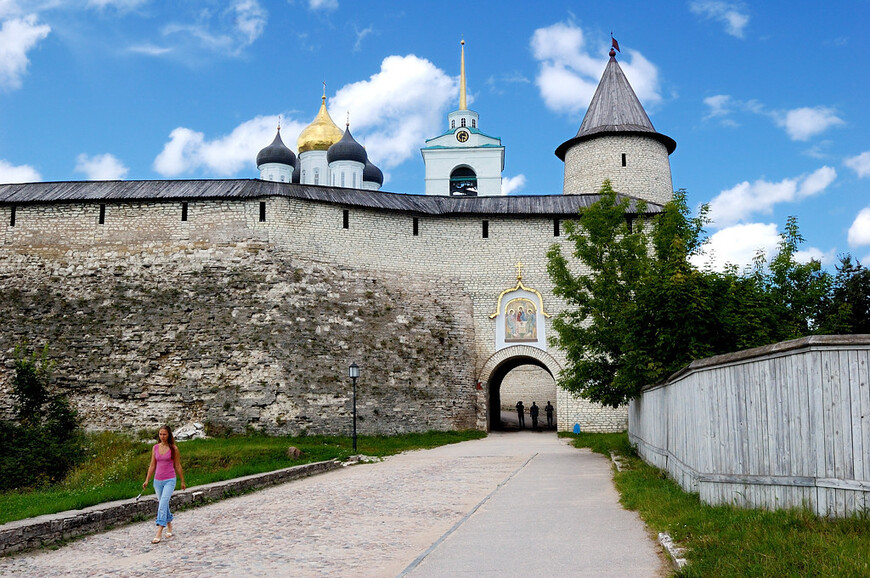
462 102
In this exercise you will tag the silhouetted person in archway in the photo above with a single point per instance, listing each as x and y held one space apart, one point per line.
521 415
549 409
533 411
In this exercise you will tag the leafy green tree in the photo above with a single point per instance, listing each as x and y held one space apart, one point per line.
45 441
638 310
848 310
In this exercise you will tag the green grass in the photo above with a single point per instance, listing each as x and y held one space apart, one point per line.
115 465
730 541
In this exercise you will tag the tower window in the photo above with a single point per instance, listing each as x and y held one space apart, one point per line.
416 227
12 217
474 123
316 177
623 159
262 211
183 211
556 230
102 217
453 123
462 122
345 224
302 177
463 182
486 229
342 178
354 180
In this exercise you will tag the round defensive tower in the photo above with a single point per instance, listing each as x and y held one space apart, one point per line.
617 141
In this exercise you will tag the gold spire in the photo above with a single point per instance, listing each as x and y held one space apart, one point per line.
321 133
462 79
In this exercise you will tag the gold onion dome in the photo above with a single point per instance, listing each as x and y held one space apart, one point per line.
321 134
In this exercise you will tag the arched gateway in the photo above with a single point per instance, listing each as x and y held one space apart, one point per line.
500 364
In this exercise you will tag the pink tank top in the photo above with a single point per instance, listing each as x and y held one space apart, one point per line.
165 467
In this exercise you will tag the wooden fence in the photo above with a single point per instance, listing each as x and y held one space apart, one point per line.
781 426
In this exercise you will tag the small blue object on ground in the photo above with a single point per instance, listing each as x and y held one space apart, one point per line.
576 428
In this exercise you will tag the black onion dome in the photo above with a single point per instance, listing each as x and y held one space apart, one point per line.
372 174
277 152
347 149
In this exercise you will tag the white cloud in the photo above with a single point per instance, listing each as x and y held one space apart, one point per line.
230 31
397 109
738 245
17 37
250 19
103 167
150 49
10 173
720 105
188 151
803 123
569 75
860 164
732 15
859 232
391 113
813 253
745 199
323 4
360 35
512 184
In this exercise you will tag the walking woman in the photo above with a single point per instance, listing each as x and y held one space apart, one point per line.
165 466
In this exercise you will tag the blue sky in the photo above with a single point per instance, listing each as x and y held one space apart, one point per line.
767 101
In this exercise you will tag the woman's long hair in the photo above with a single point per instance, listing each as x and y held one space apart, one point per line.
169 440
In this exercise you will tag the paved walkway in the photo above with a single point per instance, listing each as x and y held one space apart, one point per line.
513 504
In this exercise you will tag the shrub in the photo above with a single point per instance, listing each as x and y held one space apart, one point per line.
44 442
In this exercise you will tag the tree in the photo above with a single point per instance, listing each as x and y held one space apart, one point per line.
45 441
848 310
638 310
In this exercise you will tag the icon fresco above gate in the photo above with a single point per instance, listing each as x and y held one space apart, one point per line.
519 316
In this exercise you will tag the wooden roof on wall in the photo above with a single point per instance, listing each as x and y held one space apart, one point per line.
191 190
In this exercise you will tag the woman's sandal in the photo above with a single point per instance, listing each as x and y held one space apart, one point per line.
155 541
169 534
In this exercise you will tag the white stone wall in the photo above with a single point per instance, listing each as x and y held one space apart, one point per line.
527 384
647 174
450 249
487 164
276 172
352 172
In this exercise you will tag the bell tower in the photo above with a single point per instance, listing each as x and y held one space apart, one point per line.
463 161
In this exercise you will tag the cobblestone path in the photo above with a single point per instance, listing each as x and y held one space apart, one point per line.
363 520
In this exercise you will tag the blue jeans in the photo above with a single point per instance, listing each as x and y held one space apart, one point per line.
164 489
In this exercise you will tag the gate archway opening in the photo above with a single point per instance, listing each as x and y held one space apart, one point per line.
529 360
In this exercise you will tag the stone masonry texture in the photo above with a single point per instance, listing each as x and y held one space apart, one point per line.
240 322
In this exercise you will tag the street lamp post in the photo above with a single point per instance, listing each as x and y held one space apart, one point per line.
353 373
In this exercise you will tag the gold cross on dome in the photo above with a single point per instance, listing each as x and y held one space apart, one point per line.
519 270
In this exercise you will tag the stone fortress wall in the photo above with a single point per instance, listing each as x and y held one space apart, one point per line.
243 322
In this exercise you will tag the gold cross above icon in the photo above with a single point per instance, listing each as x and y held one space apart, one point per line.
519 270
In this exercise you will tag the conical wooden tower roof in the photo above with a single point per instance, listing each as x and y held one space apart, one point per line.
615 109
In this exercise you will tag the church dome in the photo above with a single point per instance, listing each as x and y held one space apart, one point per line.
297 173
347 149
372 174
277 152
321 134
